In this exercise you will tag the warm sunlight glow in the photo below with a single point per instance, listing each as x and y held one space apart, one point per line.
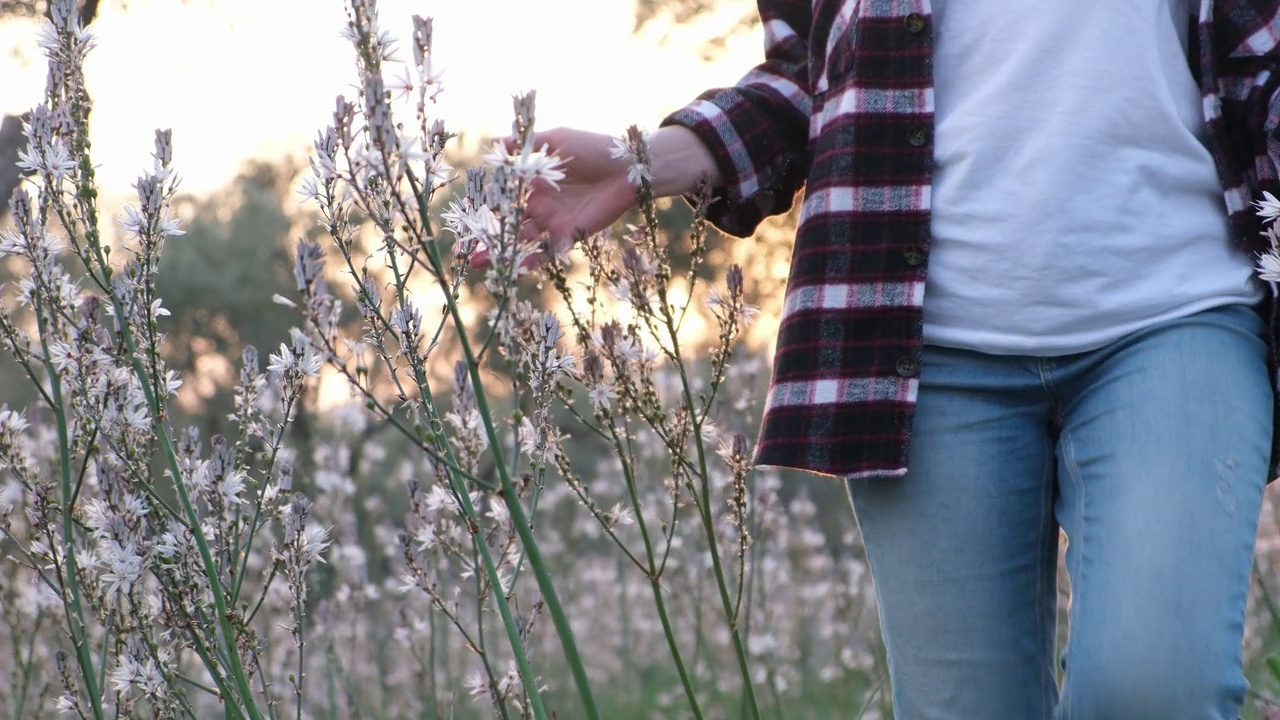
239 79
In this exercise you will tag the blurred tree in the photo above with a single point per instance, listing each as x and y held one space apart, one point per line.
11 141
31 8
218 279
727 19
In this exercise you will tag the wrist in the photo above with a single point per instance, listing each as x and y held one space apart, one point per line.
678 160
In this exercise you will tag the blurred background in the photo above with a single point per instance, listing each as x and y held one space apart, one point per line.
242 80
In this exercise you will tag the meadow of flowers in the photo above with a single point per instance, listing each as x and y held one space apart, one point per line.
536 502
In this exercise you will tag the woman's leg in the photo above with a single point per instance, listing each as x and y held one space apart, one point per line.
963 549
1162 464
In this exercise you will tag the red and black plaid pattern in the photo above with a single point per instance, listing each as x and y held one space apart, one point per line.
843 106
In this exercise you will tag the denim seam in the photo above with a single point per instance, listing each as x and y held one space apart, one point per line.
1047 680
1063 711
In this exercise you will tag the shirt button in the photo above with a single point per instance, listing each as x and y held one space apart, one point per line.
908 366
915 23
918 136
914 255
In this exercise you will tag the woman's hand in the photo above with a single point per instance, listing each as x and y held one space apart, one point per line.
592 195
595 190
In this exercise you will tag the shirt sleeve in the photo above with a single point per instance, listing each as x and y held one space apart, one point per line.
1249 49
757 130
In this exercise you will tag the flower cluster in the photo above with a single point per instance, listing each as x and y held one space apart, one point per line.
142 551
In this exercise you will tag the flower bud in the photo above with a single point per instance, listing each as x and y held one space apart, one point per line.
164 147
734 280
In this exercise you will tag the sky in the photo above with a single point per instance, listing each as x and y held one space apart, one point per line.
241 79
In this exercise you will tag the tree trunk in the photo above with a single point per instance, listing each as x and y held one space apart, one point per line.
11 141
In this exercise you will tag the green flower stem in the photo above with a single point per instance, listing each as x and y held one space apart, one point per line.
504 608
708 524
645 195
229 635
75 618
655 579
25 666
480 642
86 196
527 678
254 527
518 516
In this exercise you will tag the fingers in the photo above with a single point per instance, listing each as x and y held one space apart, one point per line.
549 139
480 260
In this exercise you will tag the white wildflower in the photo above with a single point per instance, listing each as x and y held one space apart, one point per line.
401 84
53 159
172 381
539 165
621 149
310 189
1269 267
1268 207
425 536
97 517
124 568
438 499
170 225
133 222
230 488
477 685
619 514
47 37
470 223
601 395
439 172
638 174
314 542
129 674
11 243
62 355
137 416
307 363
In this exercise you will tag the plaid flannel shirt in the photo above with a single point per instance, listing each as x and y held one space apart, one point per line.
843 105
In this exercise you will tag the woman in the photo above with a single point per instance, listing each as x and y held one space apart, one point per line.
1021 299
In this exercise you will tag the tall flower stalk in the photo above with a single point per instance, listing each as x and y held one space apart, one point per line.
375 181
141 537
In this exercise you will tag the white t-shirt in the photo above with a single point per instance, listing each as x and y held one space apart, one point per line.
1074 201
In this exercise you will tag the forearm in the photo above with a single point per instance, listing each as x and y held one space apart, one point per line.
678 159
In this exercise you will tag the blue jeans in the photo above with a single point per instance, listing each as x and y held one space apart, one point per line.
1151 453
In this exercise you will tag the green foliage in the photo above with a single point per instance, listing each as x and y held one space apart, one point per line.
218 279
